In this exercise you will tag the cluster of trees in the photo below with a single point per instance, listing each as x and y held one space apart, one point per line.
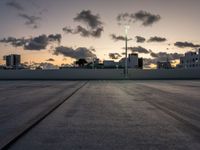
81 62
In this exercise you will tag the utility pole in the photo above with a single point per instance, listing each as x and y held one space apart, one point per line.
126 51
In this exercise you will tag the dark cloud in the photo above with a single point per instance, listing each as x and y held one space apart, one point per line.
36 43
157 39
140 39
82 31
50 59
161 56
96 33
31 20
114 55
146 18
78 53
15 5
55 37
68 30
148 61
88 18
16 42
154 54
138 49
123 17
118 38
92 49
94 25
186 45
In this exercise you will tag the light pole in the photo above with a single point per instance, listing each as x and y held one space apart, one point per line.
126 51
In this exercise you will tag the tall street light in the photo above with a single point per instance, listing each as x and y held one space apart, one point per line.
126 51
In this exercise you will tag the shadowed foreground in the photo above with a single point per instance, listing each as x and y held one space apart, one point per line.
104 115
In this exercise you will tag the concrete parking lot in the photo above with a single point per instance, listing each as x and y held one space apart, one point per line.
103 115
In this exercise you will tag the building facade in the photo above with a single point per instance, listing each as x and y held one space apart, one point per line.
190 60
133 61
110 64
164 65
12 60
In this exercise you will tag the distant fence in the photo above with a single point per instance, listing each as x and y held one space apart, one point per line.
98 74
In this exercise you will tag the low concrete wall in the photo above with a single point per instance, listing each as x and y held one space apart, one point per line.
98 74
176 74
63 74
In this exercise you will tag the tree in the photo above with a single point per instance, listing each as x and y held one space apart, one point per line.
81 62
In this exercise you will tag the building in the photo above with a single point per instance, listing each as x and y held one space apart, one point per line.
190 60
2 67
140 63
133 61
164 65
110 64
12 60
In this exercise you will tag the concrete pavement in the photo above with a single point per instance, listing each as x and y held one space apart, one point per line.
22 102
119 115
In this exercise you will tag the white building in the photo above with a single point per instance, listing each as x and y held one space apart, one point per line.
190 60
132 61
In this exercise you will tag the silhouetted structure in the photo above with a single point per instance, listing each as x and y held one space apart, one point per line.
110 64
164 65
133 62
13 60
140 63
190 60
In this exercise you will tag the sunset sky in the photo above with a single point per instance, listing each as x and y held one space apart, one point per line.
69 29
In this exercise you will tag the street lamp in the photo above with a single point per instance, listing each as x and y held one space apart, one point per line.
126 51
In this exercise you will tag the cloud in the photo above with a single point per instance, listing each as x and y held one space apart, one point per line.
146 18
42 41
83 32
186 45
118 38
50 59
148 61
55 37
161 56
154 54
16 42
94 26
15 5
31 20
114 55
78 53
36 43
46 65
88 18
157 39
68 30
140 39
96 33
138 49
123 17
